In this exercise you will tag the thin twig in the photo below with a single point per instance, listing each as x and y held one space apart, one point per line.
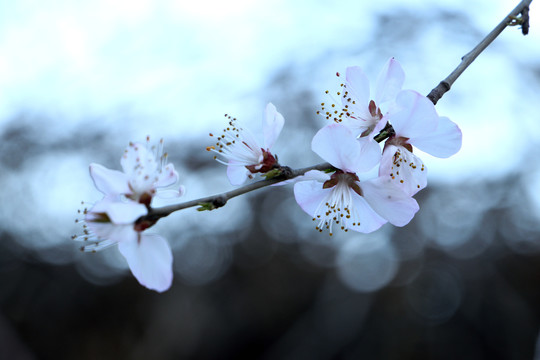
219 200
445 85
525 20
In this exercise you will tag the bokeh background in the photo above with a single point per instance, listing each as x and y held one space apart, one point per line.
255 280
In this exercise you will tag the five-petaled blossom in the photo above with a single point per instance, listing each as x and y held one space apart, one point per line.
116 219
361 109
243 153
341 198
416 122
144 173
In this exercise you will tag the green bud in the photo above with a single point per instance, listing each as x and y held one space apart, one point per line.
272 174
206 206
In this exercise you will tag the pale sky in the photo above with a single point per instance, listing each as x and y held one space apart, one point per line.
180 65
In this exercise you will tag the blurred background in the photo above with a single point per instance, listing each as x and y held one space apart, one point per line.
255 280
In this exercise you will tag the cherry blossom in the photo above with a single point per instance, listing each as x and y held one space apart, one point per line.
116 219
341 199
113 220
243 153
361 109
363 112
416 122
144 172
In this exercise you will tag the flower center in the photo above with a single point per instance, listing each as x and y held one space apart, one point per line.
344 178
268 162
406 168
140 226
399 141
236 144
376 116
338 206
144 167
350 109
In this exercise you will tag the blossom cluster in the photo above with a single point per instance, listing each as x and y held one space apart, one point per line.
345 196
128 195
340 198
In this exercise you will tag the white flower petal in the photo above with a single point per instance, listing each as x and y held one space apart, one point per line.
309 175
337 145
168 176
389 82
389 201
237 173
381 124
415 116
103 205
357 85
445 141
370 154
112 232
123 233
357 123
272 124
249 147
150 261
181 190
137 156
403 168
167 194
337 207
123 213
309 195
108 181
363 218
314 175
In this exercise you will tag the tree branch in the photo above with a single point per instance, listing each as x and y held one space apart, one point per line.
512 19
286 173
219 200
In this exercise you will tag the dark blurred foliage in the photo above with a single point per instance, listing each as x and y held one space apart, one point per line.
463 277
483 307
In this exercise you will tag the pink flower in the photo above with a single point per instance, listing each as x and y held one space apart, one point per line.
416 122
341 198
243 153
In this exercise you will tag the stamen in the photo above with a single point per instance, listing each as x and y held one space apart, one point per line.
97 246
238 146
339 206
